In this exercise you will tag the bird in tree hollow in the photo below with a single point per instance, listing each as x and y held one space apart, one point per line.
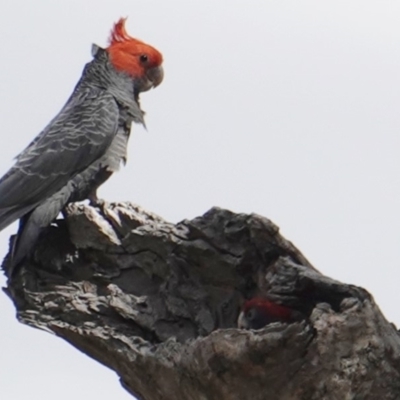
84 144
259 312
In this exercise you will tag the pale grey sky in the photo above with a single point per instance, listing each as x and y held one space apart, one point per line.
284 108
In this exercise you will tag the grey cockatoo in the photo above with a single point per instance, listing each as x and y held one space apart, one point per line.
84 144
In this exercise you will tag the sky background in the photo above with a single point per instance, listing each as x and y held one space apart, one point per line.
284 108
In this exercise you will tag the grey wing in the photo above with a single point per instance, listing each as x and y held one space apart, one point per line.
79 135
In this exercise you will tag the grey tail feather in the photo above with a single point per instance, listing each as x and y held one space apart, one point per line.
32 224
23 243
10 214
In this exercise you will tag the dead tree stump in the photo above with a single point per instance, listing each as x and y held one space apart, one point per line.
158 303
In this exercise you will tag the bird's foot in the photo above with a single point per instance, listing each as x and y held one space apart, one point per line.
94 201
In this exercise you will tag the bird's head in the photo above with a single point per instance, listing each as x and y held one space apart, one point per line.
137 59
258 312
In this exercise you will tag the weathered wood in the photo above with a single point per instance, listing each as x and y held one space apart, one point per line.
158 303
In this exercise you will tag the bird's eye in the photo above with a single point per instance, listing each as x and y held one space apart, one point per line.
144 58
251 314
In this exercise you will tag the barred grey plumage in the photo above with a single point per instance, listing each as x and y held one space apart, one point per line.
79 149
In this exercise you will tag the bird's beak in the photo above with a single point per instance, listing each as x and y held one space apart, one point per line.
155 76
242 321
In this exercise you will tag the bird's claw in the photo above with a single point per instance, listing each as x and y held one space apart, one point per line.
99 203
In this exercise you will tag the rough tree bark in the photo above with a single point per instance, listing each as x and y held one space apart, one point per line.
158 304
